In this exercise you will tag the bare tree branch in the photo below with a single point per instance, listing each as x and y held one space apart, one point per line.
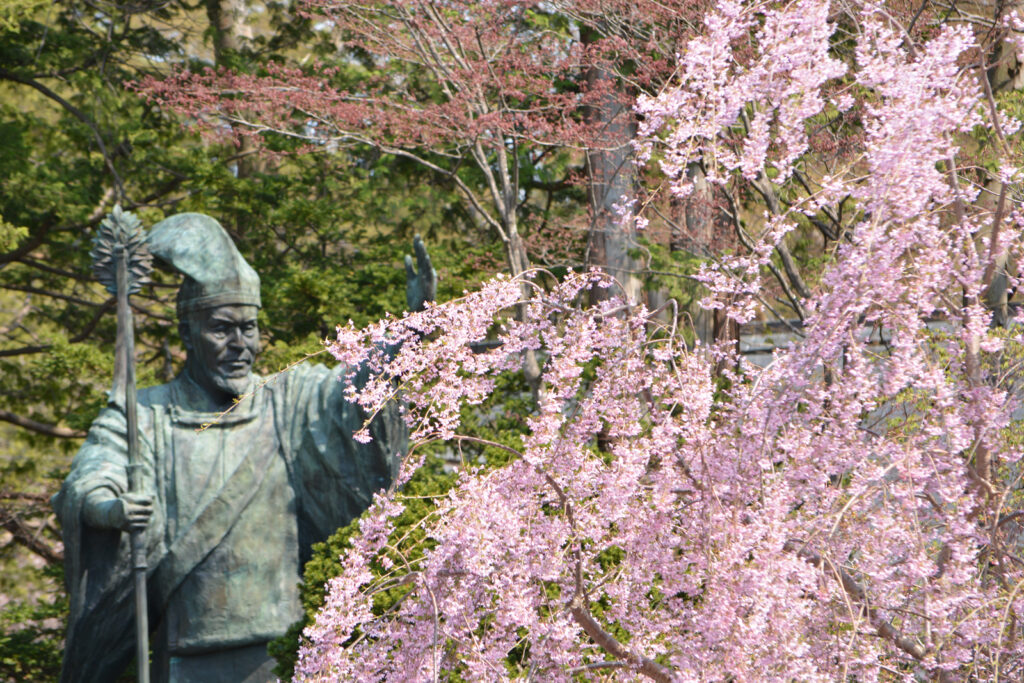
857 593
86 331
28 537
610 644
40 427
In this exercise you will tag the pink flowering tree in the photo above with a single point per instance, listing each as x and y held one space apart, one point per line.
849 512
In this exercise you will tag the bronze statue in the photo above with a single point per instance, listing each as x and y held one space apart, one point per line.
230 511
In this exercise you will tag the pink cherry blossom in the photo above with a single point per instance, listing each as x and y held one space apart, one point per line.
848 512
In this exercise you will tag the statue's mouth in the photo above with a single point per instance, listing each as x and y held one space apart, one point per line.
235 368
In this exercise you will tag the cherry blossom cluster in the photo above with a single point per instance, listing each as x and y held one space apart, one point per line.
762 60
533 532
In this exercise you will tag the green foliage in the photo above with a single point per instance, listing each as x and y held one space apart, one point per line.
671 272
10 235
32 633
14 12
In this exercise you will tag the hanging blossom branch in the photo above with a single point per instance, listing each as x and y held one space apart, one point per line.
437 347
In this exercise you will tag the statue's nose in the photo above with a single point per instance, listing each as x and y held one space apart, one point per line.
236 338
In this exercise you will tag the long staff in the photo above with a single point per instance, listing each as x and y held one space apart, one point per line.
122 262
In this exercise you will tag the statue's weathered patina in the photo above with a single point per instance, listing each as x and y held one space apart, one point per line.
232 502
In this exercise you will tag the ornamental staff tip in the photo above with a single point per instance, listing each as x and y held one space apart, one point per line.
121 230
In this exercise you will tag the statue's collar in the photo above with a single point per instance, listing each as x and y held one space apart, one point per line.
190 404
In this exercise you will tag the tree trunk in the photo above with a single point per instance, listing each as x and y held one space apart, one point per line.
612 181
227 26
1006 74
230 35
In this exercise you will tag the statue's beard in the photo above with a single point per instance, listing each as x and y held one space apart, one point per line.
235 386
230 382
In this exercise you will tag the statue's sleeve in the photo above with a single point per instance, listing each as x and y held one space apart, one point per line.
101 462
99 636
337 475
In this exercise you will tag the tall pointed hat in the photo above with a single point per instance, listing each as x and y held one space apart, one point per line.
199 248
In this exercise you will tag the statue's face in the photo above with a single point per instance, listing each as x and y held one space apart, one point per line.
222 344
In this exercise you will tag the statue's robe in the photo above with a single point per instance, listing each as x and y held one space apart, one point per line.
239 499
